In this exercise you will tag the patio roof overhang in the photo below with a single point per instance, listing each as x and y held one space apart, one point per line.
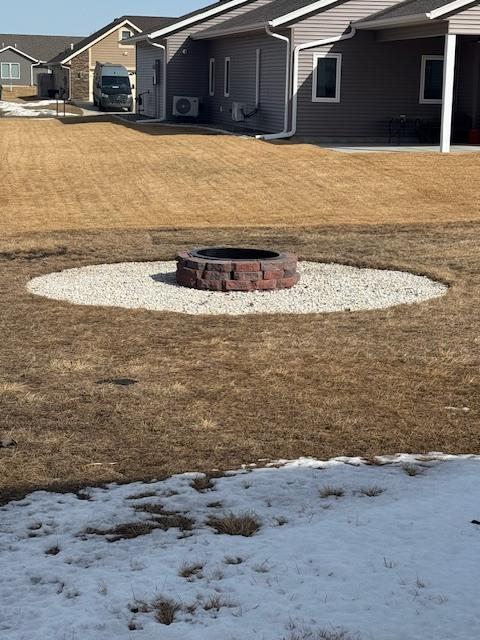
387 23
389 18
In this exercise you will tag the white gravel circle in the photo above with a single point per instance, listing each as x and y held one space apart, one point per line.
324 288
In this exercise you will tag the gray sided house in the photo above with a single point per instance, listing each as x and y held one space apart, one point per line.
23 57
331 71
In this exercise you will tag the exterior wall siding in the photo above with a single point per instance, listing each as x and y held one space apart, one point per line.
61 80
380 80
468 83
467 22
242 53
188 73
335 21
25 69
153 101
111 50
37 70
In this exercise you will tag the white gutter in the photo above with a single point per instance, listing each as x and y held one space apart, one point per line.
35 64
299 13
296 58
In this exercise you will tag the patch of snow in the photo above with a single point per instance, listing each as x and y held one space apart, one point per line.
26 109
323 288
403 564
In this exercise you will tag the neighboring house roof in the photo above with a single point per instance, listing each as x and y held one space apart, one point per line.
140 23
416 11
38 48
275 14
192 18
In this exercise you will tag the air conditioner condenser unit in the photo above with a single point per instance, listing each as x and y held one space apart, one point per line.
186 106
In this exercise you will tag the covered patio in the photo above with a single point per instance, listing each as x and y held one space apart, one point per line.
449 77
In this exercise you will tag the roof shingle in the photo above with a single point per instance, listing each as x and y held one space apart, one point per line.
144 23
258 16
39 47
407 8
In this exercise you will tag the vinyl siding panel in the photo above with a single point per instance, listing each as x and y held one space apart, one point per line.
467 22
380 80
335 21
188 73
242 52
468 83
146 57
110 50
25 69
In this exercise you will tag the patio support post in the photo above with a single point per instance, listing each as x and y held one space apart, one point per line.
448 83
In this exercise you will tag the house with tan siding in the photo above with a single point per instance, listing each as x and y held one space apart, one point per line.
73 69
333 71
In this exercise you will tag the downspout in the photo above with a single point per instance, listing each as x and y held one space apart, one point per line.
287 82
35 64
164 98
69 70
296 59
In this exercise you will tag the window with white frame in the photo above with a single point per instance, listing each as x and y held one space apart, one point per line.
226 78
327 74
125 34
258 62
10 71
211 77
431 80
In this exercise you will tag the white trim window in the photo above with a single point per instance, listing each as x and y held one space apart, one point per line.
431 80
10 71
327 77
258 68
227 78
211 77
125 34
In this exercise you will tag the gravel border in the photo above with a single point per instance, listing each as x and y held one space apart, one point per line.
324 288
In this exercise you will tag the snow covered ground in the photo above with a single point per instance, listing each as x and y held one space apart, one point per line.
393 556
27 109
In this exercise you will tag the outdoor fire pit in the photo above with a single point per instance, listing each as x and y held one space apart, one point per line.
236 269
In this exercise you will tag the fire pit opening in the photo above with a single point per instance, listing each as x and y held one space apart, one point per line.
234 253
236 269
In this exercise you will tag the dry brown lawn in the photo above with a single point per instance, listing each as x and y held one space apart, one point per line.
92 175
216 392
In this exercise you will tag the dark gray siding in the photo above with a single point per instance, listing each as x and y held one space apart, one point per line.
146 57
242 53
380 80
25 68
37 70
468 83
188 72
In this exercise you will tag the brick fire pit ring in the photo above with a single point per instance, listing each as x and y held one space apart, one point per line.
236 269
